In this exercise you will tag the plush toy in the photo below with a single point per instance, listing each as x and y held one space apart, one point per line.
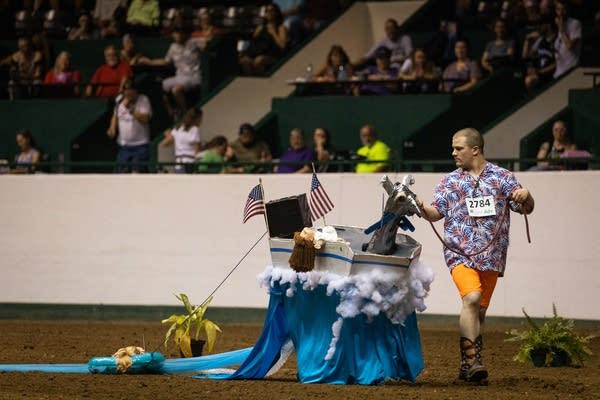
123 357
303 254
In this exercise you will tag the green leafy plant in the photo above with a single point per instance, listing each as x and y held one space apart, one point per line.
553 340
185 327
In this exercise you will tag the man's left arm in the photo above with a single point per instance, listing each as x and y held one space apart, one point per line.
525 199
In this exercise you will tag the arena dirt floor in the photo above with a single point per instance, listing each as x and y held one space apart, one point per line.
77 342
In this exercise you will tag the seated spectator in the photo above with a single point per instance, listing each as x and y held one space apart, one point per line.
108 79
539 56
213 159
184 55
399 45
372 149
129 53
550 152
462 74
85 29
499 52
441 46
419 74
267 45
247 149
318 12
568 41
382 70
293 19
291 161
143 16
110 16
130 125
336 65
28 157
206 30
62 80
186 138
323 150
25 70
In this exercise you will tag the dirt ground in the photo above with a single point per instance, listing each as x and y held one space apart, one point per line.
77 342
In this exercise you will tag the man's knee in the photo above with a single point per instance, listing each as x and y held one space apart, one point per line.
472 299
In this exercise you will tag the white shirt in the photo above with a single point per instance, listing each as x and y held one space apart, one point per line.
565 58
131 131
185 140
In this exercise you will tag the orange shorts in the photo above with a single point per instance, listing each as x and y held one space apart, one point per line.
469 280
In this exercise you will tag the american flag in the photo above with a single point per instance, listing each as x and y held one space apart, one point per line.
319 202
254 204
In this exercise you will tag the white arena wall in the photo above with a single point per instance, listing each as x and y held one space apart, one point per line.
138 239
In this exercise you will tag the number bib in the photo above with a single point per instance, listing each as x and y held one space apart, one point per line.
482 206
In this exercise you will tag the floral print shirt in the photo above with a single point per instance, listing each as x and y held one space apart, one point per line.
471 234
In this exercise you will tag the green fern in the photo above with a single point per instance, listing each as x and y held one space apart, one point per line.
554 336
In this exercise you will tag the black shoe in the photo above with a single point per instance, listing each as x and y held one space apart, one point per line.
476 373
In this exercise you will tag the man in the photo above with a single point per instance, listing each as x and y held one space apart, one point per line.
298 152
132 118
109 78
474 201
373 149
247 149
399 45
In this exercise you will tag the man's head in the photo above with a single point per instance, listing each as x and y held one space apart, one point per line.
467 148
296 139
130 91
368 135
111 56
247 135
391 29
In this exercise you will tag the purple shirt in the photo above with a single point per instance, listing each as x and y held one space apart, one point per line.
472 234
305 154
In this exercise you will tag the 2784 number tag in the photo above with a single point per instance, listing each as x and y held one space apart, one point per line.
482 206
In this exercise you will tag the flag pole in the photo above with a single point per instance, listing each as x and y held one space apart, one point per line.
262 193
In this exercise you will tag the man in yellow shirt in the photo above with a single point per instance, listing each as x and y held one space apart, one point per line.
372 150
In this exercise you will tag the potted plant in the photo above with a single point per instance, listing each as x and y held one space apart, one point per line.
185 329
552 344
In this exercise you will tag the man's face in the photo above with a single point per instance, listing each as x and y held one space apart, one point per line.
246 137
462 153
130 94
296 140
111 57
367 136
391 31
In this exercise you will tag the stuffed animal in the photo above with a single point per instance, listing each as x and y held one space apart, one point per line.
303 254
123 357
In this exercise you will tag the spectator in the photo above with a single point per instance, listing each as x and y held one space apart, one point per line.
419 74
85 29
336 64
29 156
267 45
108 79
500 52
213 159
109 16
247 149
462 74
206 30
184 55
293 19
130 124
62 80
319 12
382 70
550 152
129 53
399 45
539 56
292 159
186 138
323 150
25 70
568 41
143 15
373 149
441 46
